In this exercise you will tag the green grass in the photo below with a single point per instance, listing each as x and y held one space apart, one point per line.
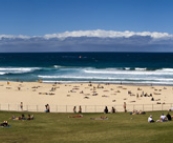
58 128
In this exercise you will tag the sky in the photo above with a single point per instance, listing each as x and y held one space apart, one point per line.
55 17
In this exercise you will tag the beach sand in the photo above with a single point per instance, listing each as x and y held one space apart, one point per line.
88 95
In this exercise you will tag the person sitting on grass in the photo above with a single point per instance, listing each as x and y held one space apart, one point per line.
23 117
169 117
150 119
163 118
100 118
136 112
18 118
30 117
76 116
4 124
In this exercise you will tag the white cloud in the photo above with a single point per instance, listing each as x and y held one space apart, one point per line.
107 34
13 36
95 33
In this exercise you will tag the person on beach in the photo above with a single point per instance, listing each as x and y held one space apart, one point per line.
150 119
80 109
106 110
113 110
74 109
21 106
125 110
47 108
171 109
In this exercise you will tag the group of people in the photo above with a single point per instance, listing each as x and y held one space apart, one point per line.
106 111
163 118
80 109
22 117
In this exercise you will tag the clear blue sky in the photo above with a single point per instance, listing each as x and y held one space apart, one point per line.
40 17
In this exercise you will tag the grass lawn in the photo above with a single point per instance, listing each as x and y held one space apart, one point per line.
58 128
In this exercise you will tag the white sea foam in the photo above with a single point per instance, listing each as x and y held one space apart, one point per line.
165 70
2 73
127 68
57 66
111 75
17 70
116 82
119 78
137 71
140 69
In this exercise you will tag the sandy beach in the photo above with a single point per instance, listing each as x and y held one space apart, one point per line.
84 94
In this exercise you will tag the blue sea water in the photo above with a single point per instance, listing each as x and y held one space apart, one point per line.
128 68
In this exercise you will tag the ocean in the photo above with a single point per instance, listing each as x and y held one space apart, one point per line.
126 68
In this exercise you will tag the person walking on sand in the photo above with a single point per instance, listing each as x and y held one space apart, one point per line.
113 110
48 108
21 106
80 109
125 110
74 109
106 110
